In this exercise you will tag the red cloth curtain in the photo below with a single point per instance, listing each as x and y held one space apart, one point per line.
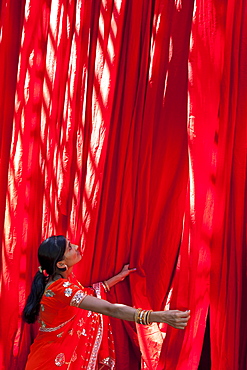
123 126
229 267
212 261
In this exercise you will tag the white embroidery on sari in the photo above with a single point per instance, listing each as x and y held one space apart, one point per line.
81 332
99 335
66 284
81 322
109 362
42 323
60 359
74 357
55 328
68 292
77 298
49 293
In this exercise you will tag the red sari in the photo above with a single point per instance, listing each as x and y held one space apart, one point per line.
69 337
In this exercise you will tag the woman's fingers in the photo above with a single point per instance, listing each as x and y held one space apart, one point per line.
132 270
126 267
184 313
177 319
126 270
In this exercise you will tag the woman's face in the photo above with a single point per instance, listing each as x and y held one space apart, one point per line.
72 254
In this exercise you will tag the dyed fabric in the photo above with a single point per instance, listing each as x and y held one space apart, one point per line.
123 126
69 337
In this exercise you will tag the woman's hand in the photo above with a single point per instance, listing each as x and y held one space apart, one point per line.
119 277
176 319
126 271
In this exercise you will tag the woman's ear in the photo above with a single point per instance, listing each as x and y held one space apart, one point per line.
61 264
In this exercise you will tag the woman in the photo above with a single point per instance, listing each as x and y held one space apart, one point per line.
73 334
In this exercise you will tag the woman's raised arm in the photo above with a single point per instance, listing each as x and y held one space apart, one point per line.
119 277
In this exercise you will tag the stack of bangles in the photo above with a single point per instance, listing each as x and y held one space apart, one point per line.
106 286
143 316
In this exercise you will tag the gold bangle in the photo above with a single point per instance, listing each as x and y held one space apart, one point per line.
137 315
106 285
142 317
141 321
148 317
145 318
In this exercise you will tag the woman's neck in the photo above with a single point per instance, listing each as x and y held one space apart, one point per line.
63 274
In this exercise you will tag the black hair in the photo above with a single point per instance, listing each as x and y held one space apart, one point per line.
50 252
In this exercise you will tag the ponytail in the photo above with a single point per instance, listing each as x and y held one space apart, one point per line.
50 252
31 310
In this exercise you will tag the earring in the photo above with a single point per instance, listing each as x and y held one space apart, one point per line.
63 269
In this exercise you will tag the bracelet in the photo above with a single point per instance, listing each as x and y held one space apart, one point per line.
148 317
143 316
144 320
107 288
137 315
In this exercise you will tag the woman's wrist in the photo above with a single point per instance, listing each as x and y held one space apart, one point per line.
106 286
156 317
114 280
120 277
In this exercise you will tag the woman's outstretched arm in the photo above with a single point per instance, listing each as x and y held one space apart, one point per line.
175 318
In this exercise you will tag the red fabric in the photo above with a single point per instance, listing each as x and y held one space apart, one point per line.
95 145
229 267
212 262
68 336
191 287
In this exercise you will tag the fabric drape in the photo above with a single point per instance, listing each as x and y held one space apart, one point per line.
123 127
228 272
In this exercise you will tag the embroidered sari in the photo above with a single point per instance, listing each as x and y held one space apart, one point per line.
70 337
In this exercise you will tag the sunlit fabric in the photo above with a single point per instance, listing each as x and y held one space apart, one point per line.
123 125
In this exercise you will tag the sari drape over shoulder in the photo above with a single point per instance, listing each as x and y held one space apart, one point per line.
70 337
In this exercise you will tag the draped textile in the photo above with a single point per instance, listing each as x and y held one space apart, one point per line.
213 250
229 262
108 108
